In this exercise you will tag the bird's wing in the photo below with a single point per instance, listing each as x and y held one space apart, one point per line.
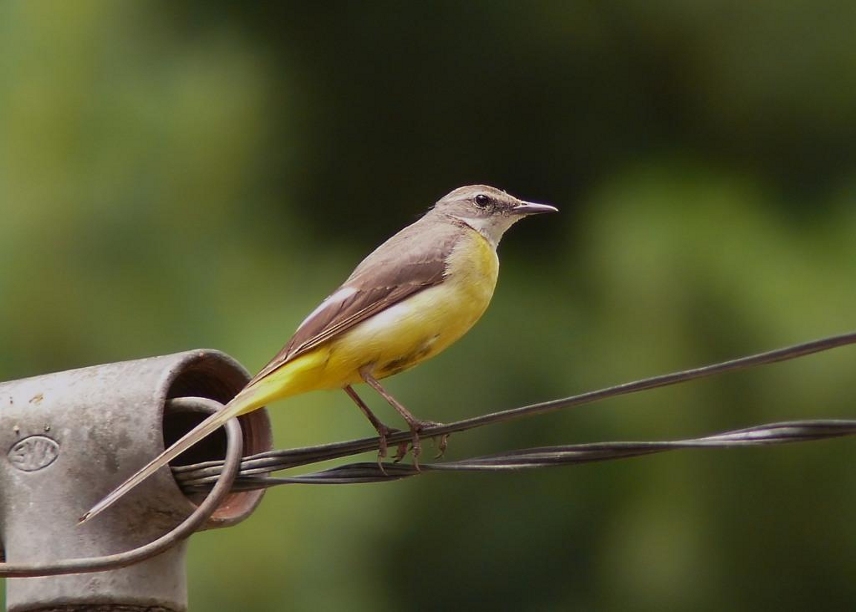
412 260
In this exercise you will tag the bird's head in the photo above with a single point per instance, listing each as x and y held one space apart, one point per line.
488 210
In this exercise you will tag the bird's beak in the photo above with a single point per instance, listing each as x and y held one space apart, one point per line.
531 208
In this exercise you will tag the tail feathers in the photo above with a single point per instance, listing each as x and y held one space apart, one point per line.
241 404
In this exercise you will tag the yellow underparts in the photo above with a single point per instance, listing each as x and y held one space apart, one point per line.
395 339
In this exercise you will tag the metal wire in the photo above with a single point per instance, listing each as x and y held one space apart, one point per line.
219 491
255 469
548 456
221 477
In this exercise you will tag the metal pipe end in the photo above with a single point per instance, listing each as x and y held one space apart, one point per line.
214 375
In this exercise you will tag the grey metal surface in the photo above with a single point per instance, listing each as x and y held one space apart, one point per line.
67 439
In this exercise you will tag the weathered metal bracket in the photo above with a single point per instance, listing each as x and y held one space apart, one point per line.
66 439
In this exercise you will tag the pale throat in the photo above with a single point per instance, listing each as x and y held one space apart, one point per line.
492 228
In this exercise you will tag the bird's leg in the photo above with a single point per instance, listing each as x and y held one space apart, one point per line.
416 425
382 430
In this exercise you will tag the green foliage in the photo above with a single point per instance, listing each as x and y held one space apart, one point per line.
196 175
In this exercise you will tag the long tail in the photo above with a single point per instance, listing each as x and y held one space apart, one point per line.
246 401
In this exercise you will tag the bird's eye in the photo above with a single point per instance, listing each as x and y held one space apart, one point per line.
482 200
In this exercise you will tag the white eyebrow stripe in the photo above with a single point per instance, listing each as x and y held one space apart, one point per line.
340 295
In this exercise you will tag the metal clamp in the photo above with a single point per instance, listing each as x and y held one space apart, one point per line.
68 438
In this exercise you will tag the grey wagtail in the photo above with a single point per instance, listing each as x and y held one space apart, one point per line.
416 294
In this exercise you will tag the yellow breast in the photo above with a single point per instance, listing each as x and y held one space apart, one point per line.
422 325
401 336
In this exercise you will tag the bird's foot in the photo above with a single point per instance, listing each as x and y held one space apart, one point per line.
441 444
383 432
415 444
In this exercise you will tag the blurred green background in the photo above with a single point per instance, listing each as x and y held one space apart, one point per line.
177 175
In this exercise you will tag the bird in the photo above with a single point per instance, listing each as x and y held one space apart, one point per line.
408 300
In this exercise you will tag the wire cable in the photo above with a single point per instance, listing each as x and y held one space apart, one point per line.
234 474
549 456
254 469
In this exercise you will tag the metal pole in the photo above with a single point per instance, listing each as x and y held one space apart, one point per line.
66 439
